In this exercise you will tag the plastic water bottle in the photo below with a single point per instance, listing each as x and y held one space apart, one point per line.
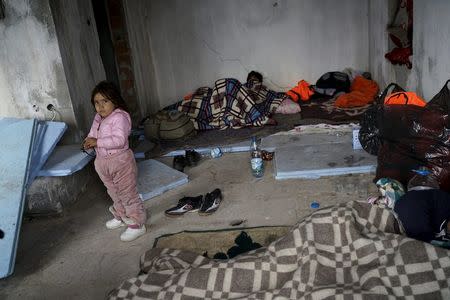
256 161
424 179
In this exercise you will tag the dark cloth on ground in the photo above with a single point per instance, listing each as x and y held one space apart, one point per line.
424 213
324 108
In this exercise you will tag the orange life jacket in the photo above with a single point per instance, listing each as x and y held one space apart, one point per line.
301 91
409 98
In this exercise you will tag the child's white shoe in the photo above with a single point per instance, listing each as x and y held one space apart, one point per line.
132 233
114 223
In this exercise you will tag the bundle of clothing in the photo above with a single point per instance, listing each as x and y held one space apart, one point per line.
231 104
350 89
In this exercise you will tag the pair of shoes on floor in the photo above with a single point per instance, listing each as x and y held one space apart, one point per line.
205 206
133 230
190 159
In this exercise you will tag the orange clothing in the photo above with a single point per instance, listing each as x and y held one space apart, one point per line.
301 91
409 98
362 92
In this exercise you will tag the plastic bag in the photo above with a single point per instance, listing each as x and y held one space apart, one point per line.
412 136
369 132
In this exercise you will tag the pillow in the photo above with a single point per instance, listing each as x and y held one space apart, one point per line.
288 107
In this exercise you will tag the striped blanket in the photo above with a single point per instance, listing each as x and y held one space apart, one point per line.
348 251
231 104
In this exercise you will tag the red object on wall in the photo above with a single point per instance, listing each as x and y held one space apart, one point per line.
400 56
401 34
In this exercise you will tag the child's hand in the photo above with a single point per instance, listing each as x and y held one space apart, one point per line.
89 143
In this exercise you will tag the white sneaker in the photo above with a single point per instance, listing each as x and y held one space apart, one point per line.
114 223
132 233
127 221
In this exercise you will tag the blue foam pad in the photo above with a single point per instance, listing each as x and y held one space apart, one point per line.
48 135
65 160
155 178
18 137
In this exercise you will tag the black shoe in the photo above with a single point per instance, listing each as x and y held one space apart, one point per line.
192 157
179 162
185 204
211 202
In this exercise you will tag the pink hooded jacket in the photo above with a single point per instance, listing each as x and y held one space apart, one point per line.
111 133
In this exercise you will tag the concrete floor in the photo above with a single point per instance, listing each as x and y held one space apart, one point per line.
76 257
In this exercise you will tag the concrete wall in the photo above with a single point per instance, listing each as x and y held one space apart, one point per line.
31 69
180 45
431 47
380 15
80 51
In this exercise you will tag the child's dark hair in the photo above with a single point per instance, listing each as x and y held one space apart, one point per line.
110 91
256 75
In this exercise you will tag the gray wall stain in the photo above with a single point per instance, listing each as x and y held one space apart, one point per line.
29 60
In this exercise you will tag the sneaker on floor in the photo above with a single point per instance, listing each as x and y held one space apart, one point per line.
132 233
179 162
211 202
114 223
186 204
127 221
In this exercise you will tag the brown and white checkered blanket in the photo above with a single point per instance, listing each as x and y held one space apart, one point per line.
231 104
346 251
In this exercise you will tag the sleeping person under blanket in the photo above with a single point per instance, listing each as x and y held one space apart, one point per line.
231 104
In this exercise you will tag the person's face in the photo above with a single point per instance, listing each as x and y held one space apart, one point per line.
103 106
253 78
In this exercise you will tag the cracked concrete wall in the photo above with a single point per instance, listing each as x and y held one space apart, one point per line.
179 45
31 70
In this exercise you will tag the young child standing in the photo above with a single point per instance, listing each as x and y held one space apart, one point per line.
114 162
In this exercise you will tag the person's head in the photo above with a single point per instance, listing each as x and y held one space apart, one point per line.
255 76
106 98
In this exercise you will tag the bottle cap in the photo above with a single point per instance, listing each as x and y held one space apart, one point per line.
315 204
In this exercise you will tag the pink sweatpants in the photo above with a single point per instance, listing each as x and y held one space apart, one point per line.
119 175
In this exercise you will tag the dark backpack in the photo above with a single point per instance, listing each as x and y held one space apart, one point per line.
331 83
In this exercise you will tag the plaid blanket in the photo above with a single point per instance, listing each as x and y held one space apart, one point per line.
346 251
230 104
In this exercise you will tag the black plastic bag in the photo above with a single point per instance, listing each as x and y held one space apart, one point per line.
411 136
369 135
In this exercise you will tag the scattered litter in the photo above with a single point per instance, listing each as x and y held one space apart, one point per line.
237 222
315 205
216 152
266 155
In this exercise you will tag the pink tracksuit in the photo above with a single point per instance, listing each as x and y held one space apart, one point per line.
115 164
